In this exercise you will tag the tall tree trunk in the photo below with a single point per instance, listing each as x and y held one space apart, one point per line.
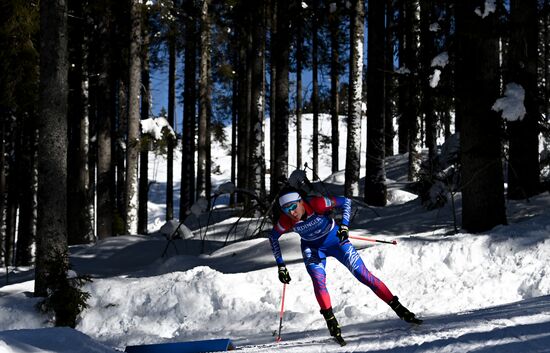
355 98
133 145
11 211
523 163
334 19
145 107
243 132
299 60
272 96
448 85
477 86
80 228
257 162
105 116
427 52
389 80
315 84
3 186
189 113
403 82
281 60
52 154
172 121
412 111
234 122
120 147
375 178
546 62
203 188
26 177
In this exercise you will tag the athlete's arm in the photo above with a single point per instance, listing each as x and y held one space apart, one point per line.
344 204
274 236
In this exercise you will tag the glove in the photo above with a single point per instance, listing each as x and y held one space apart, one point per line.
343 233
284 276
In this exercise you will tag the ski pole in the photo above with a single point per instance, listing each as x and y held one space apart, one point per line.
281 313
358 237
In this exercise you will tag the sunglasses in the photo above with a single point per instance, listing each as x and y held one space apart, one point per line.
290 208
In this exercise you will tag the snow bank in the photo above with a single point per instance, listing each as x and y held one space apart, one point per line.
431 274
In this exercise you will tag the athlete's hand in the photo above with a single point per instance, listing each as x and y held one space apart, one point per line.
343 233
284 276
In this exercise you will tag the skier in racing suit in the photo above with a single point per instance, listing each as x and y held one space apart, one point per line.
322 237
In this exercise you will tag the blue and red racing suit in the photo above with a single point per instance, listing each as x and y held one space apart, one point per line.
319 240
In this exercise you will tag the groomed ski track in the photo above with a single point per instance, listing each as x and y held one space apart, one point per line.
522 328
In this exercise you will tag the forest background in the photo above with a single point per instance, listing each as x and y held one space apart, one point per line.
76 83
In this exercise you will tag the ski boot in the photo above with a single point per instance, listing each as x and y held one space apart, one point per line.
402 312
333 326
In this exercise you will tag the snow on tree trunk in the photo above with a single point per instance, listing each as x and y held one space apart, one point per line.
355 100
203 163
412 111
133 145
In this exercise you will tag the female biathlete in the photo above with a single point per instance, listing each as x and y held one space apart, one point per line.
322 237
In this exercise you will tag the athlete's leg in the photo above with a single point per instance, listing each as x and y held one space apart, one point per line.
315 264
347 255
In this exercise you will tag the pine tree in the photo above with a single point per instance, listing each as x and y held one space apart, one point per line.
203 163
355 98
145 108
80 227
412 106
52 154
427 49
256 161
133 144
477 88
280 58
172 55
523 163
334 22
105 111
315 85
299 58
189 112
375 178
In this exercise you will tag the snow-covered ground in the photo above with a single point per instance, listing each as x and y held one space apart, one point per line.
486 292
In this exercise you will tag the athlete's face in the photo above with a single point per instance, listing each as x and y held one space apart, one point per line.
294 210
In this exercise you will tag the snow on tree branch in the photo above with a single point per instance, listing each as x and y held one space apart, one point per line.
511 105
